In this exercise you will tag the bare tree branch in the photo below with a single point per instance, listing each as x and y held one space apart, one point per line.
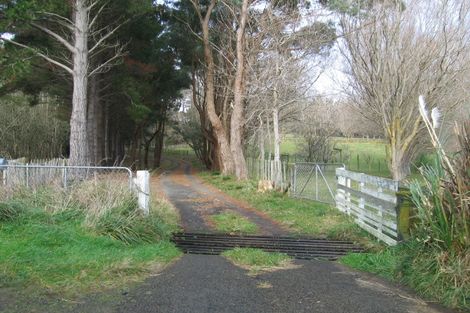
106 36
47 58
56 36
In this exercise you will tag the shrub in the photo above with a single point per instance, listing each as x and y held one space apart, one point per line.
112 210
437 274
442 202
10 210
127 224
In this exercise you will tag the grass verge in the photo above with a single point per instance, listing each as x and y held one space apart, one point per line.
257 261
230 222
436 275
55 243
300 216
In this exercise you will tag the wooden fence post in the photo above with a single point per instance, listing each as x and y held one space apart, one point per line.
142 185
404 207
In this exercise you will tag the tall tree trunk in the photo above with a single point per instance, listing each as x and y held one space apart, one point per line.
277 138
99 136
92 119
400 155
262 151
147 144
107 137
146 153
236 121
157 155
268 130
99 126
399 163
277 151
205 127
135 147
78 122
223 146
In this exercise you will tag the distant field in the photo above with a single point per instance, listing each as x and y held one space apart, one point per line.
363 155
291 144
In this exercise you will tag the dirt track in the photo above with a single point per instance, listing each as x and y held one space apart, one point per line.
196 200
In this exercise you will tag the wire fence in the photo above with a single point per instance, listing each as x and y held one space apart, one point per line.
314 181
16 176
56 172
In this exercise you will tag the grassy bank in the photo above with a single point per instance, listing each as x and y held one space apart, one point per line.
80 242
436 275
299 216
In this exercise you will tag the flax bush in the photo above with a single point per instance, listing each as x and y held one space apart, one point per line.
442 198
439 262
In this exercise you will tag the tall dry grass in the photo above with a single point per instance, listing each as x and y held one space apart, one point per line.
105 207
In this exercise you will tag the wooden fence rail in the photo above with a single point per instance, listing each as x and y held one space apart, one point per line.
373 202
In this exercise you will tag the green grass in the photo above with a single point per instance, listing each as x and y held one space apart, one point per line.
291 144
436 275
58 254
184 153
229 222
382 263
179 149
256 260
68 250
299 216
365 155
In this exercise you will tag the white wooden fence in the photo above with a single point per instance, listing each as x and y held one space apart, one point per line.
372 201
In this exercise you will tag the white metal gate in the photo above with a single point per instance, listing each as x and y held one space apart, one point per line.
32 176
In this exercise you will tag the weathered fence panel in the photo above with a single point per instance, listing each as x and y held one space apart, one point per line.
372 201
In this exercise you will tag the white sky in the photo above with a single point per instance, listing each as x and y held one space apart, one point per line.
6 36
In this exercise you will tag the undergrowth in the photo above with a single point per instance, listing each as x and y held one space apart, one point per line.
89 238
437 275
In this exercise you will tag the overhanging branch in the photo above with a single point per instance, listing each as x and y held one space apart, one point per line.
42 55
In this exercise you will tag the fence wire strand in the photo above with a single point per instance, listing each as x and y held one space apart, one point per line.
16 175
